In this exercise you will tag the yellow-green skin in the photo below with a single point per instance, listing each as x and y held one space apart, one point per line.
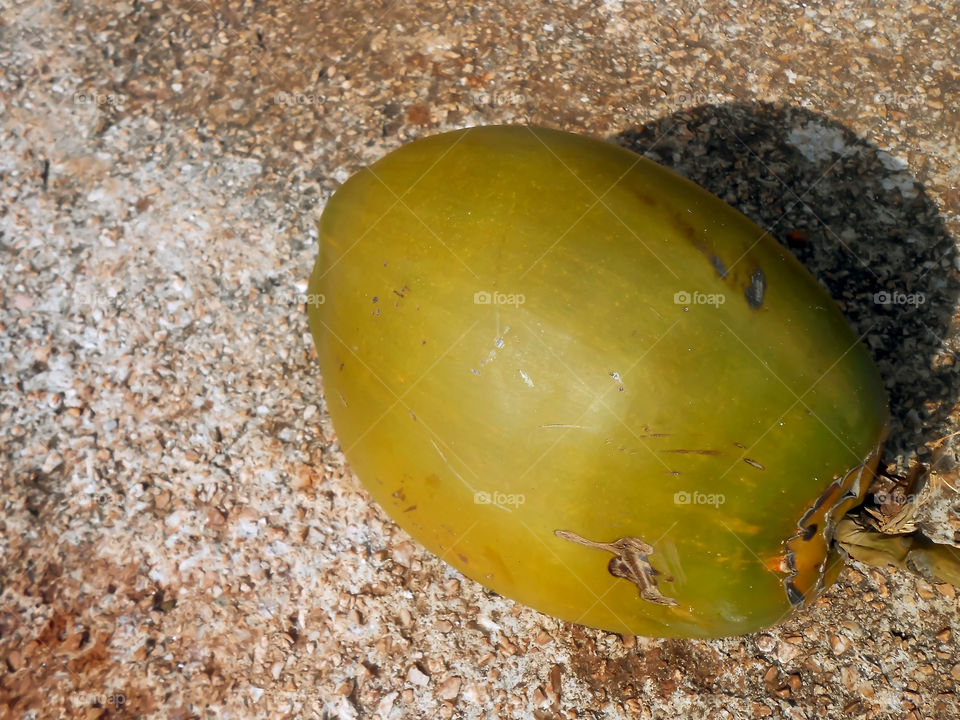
590 395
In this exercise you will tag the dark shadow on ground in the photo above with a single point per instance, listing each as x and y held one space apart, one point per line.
856 218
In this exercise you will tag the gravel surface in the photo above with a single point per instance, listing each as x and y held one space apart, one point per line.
180 536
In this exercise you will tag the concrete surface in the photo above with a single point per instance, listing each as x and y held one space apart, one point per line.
180 536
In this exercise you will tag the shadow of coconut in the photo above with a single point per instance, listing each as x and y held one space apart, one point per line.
855 218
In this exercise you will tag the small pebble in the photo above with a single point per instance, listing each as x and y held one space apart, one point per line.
449 688
416 676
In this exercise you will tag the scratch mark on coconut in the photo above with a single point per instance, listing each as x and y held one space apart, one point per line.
682 451
756 289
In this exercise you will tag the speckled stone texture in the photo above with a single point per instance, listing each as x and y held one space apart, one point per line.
180 536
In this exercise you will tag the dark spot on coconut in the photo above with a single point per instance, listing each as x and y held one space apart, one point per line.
793 595
719 266
809 531
756 289
645 199
689 232
754 463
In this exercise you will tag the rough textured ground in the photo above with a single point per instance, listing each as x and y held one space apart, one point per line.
179 535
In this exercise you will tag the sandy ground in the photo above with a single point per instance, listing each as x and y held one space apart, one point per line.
181 537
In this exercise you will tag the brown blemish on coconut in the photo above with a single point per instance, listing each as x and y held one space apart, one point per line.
807 551
756 289
631 562
719 267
